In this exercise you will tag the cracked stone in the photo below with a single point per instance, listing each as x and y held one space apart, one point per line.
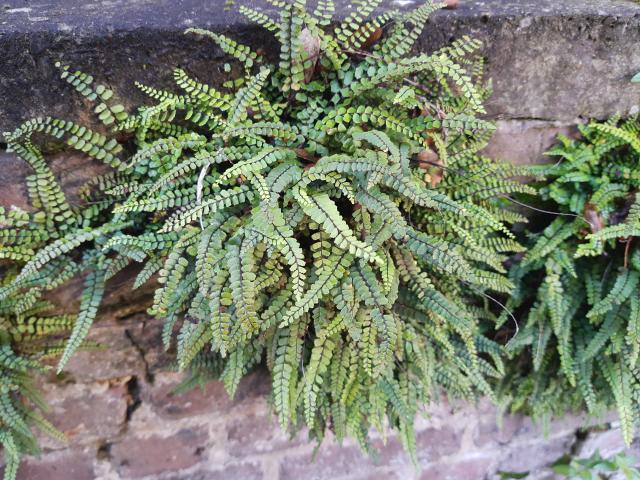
134 347
85 412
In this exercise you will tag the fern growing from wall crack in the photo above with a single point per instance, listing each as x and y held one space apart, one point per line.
329 215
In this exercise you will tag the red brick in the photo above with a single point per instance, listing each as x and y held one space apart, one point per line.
136 457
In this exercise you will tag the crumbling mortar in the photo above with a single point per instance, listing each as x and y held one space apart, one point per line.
148 374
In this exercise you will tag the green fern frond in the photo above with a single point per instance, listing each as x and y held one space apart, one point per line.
90 300
241 52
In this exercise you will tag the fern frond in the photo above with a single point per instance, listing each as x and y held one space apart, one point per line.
90 300
241 52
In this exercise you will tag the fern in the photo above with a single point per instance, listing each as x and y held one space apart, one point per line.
319 363
108 113
89 302
241 52
583 326
287 216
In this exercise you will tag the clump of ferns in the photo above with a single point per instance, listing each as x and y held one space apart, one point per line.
29 335
329 215
577 285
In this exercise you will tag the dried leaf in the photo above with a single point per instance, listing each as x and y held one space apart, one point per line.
593 217
311 46
305 155
373 37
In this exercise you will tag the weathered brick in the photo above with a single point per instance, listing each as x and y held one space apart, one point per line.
12 184
120 300
134 348
607 442
391 452
519 428
71 169
433 443
492 433
257 432
388 474
476 468
331 461
536 453
71 464
245 471
170 405
136 457
212 398
85 412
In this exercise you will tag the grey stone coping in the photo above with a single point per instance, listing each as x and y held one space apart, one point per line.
549 60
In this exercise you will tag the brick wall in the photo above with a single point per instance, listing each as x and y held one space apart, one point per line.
124 422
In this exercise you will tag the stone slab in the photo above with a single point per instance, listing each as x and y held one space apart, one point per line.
548 60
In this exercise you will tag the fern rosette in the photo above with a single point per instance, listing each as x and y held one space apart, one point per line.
577 286
329 215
